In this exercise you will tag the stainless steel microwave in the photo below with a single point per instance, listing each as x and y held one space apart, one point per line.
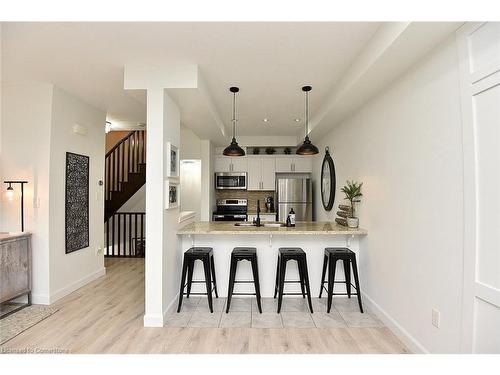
231 180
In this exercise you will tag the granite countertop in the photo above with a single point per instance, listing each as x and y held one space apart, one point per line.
310 227
6 236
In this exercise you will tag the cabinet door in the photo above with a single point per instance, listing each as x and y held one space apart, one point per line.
268 173
222 164
254 173
302 164
239 164
284 164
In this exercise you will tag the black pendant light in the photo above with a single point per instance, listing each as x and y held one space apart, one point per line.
234 149
307 148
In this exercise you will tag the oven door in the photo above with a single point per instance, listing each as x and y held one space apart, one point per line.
229 217
231 181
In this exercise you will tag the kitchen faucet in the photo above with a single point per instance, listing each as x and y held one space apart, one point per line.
257 220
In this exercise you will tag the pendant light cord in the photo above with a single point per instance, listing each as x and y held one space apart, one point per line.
307 113
234 115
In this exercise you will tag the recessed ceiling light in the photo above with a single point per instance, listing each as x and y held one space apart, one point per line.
266 120
297 120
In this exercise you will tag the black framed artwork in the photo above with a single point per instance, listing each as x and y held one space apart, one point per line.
77 202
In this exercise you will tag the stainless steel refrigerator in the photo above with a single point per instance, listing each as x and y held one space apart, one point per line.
294 192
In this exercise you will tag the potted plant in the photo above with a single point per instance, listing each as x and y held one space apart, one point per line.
353 194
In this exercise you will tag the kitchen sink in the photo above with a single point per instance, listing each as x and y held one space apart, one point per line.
244 224
262 224
272 225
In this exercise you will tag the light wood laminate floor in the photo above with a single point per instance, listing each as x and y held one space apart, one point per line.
106 315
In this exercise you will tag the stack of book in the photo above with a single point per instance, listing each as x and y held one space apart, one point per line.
343 213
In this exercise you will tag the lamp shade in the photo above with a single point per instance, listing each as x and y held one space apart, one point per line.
233 149
307 148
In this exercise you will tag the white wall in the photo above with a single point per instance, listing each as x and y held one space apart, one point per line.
26 122
406 147
70 271
190 179
190 145
37 130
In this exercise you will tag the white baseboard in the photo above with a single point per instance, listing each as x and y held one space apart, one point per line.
153 320
40 299
157 320
76 285
413 344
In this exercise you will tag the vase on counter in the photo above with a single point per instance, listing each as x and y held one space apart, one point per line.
352 222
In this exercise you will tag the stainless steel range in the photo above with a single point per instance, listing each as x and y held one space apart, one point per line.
231 210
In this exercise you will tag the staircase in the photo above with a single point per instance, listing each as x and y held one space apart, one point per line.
125 171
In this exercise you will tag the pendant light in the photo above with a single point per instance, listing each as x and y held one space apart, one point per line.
234 149
307 148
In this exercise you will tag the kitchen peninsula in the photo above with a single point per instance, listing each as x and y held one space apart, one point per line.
312 237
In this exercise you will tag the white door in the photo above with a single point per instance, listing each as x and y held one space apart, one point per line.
284 164
222 164
479 52
254 173
268 173
302 164
239 164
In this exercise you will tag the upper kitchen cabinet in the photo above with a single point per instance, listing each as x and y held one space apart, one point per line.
302 164
230 164
261 173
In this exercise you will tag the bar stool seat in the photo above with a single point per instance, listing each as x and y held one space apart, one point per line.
284 255
205 254
238 254
348 258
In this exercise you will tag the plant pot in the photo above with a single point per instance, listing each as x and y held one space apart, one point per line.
352 222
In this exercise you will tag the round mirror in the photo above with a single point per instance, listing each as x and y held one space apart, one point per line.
328 181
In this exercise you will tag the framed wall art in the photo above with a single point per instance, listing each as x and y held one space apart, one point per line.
172 194
77 202
171 160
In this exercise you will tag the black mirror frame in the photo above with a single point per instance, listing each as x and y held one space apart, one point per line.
333 180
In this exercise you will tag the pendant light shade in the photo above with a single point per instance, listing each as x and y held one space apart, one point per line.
234 149
307 148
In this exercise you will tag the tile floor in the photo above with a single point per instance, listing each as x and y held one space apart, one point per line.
294 313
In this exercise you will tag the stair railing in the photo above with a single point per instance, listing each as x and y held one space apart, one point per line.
125 235
124 158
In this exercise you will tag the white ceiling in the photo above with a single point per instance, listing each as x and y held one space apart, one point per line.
268 61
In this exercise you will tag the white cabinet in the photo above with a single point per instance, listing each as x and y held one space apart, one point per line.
230 164
261 173
268 173
302 164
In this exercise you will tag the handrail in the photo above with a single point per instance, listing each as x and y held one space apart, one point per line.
120 142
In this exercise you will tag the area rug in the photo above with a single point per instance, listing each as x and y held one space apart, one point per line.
20 321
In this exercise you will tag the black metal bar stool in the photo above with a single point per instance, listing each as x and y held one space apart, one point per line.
206 255
284 255
243 253
348 257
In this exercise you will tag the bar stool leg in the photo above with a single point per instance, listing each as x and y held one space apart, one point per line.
306 279
190 276
300 266
282 269
183 280
356 280
277 277
323 274
331 278
347 274
232 273
208 282
212 266
256 283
